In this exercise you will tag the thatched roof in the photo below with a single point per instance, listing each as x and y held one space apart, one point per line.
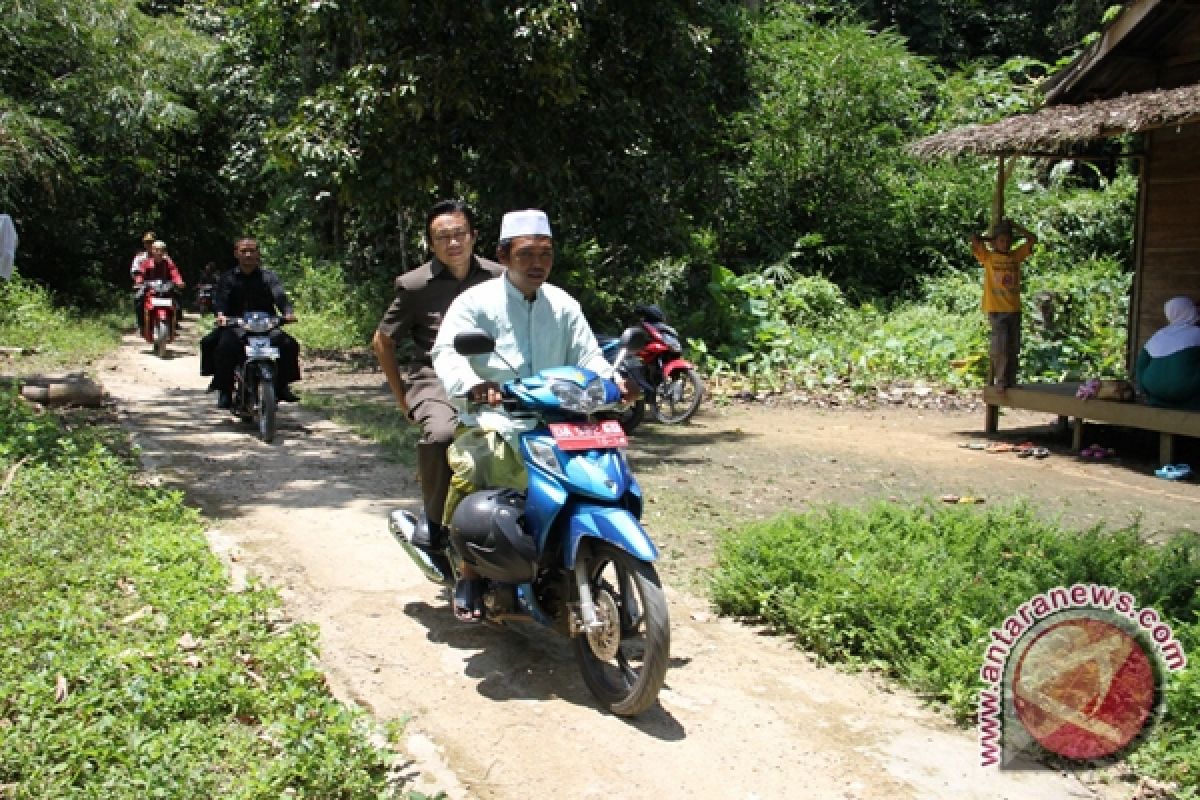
1049 129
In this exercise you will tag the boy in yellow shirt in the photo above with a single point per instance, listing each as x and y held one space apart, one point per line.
1002 296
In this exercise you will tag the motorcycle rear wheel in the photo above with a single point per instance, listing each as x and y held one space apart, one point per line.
678 397
266 411
161 336
625 663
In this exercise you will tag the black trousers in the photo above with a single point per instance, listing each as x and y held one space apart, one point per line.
222 350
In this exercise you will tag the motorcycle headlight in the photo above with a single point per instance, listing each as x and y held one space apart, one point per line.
581 399
257 324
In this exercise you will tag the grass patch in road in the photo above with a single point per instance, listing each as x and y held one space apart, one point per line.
378 420
129 670
914 592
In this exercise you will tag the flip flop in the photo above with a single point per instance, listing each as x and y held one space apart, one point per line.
1174 472
468 600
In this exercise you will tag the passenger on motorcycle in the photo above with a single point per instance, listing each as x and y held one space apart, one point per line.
412 321
248 288
157 267
135 269
536 325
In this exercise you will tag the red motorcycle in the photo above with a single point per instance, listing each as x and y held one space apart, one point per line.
158 314
671 385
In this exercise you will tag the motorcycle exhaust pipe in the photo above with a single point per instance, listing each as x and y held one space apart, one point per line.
436 567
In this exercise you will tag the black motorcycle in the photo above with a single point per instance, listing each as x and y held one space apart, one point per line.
253 397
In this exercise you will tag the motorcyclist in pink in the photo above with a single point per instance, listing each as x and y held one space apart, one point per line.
158 267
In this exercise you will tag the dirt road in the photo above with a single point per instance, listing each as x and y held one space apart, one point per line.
502 712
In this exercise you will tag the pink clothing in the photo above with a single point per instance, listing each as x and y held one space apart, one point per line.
164 270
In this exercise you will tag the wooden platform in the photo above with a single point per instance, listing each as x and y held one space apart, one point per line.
1060 399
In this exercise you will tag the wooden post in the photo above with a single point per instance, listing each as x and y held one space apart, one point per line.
998 196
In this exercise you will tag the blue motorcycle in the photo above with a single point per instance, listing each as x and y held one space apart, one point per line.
569 551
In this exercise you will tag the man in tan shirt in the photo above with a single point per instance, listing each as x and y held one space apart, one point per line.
413 320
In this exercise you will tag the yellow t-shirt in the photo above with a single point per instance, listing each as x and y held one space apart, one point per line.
1002 278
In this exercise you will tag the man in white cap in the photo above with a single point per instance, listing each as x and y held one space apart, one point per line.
536 325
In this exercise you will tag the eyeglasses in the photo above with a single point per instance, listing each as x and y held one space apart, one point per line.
461 234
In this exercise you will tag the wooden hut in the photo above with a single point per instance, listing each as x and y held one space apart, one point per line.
1141 78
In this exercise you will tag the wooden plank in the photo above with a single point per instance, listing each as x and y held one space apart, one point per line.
1060 399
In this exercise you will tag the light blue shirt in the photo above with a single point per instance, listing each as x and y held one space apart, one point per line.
549 331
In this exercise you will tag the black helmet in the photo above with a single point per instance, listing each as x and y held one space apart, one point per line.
488 531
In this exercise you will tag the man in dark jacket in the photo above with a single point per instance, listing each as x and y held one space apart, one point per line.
413 320
250 288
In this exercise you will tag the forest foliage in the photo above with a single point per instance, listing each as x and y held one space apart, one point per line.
682 149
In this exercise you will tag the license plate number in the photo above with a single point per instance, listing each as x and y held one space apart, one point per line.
257 347
161 302
589 435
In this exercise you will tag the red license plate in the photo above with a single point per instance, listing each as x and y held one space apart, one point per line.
589 435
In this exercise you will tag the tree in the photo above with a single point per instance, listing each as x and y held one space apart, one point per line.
608 115
956 32
100 128
824 186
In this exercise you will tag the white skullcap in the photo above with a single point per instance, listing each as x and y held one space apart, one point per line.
159 243
529 222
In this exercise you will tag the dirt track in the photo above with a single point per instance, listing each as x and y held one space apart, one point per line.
502 712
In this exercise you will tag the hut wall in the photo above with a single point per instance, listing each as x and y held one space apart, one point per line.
1170 246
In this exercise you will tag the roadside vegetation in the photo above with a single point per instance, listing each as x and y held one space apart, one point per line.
50 336
130 668
747 170
913 592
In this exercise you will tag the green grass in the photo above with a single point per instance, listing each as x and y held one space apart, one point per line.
56 337
129 670
913 592
378 420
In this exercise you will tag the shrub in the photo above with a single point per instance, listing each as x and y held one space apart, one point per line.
914 592
129 670
29 318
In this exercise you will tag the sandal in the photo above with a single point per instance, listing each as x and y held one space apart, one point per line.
468 600
1000 447
1174 472
1025 449
1039 452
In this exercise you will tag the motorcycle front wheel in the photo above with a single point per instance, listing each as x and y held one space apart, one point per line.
161 336
266 410
633 416
625 662
678 397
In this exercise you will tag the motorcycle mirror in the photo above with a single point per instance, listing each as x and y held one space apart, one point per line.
634 338
474 343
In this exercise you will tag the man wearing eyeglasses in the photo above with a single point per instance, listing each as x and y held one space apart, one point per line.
413 320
